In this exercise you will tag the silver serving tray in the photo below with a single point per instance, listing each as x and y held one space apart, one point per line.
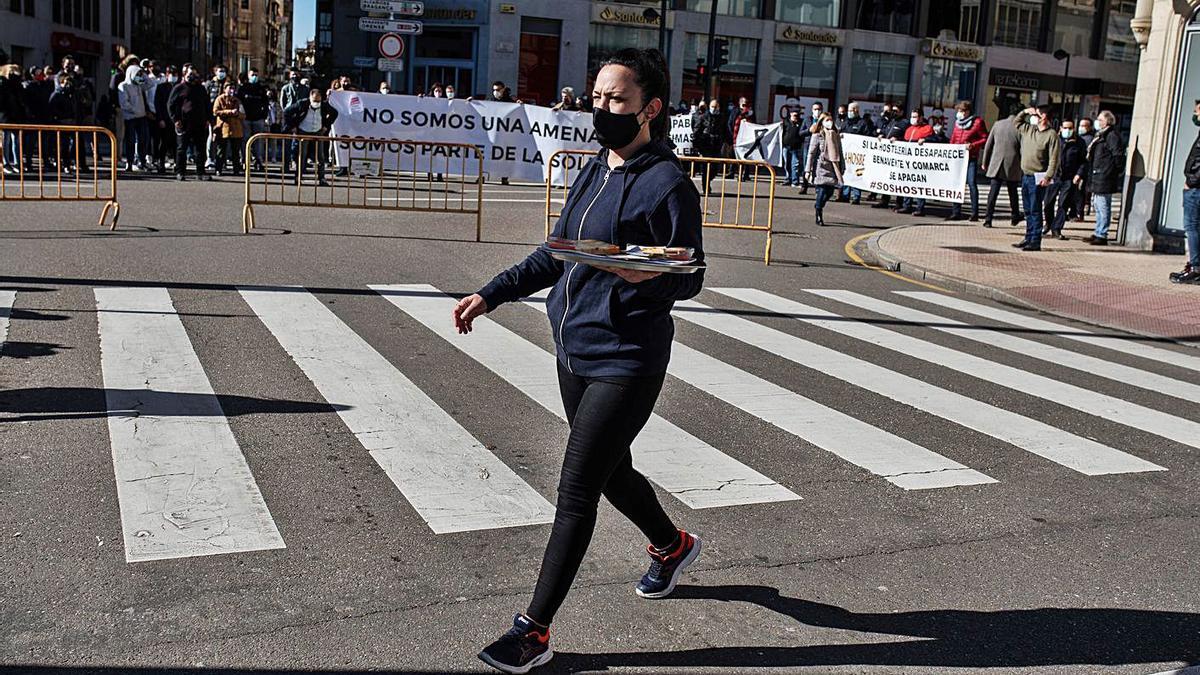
640 265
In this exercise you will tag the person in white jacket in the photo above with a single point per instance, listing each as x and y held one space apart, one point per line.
135 110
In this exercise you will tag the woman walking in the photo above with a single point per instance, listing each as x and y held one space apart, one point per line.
824 166
613 333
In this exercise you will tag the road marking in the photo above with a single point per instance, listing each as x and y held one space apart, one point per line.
900 462
1031 348
1056 445
183 485
447 475
1089 402
452 202
853 255
7 300
1131 347
694 472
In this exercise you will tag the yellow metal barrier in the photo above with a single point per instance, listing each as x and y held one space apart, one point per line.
739 204
379 175
42 163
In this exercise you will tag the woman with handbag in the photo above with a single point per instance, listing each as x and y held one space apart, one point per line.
825 164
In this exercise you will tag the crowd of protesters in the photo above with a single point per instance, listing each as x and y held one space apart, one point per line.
1059 170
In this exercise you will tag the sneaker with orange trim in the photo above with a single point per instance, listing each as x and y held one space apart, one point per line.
666 568
524 647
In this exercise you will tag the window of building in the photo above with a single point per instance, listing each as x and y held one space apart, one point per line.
445 43
1119 44
325 30
735 79
804 71
878 77
605 39
888 16
953 20
19 7
94 22
1018 24
246 4
118 18
1074 26
945 82
243 31
809 12
751 8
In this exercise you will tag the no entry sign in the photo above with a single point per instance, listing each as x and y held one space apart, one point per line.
391 46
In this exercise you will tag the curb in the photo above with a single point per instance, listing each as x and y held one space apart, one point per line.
898 265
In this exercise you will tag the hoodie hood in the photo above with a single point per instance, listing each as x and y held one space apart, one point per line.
132 72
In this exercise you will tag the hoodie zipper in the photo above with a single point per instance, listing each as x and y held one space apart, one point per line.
578 235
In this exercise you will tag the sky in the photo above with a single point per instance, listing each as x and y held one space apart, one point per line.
304 21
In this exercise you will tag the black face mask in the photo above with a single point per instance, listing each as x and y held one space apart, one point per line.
1196 120
615 130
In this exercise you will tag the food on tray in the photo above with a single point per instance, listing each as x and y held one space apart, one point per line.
596 247
668 252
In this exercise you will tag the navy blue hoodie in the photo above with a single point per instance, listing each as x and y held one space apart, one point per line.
604 326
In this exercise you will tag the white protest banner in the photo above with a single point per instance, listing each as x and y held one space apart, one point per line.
516 140
923 171
681 134
762 142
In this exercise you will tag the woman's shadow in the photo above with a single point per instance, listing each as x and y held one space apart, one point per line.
1018 638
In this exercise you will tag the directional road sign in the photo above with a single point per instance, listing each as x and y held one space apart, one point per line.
369 25
391 46
391 65
406 7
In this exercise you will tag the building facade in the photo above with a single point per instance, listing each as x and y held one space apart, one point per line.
1162 131
41 32
240 34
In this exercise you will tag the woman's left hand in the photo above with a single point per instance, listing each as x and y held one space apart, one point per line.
632 276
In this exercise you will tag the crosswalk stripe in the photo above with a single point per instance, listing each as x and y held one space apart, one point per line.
7 299
447 475
1064 357
1086 401
183 485
694 472
1131 347
900 462
1081 454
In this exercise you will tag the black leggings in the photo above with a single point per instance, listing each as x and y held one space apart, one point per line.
605 415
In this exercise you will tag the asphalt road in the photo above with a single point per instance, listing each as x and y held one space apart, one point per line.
1060 541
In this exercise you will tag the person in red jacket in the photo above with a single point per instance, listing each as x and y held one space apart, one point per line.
918 130
971 131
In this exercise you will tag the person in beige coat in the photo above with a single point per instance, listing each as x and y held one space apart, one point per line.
825 165
229 130
1002 162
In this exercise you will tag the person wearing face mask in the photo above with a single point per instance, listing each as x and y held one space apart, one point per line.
856 125
294 90
1191 207
191 113
825 166
501 93
13 111
1106 162
253 95
613 334
891 128
114 112
1039 162
164 141
710 135
385 88
1064 189
229 130
311 117
134 108
1086 130
918 130
792 135
971 131
215 86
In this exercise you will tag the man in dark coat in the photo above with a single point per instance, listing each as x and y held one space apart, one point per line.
253 95
892 125
1068 180
793 133
1191 209
191 112
856 125
1106 164
311 117
708 137
164 138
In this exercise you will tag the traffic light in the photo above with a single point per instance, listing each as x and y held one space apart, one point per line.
722 53
701 69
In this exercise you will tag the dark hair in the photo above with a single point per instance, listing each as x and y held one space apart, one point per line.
650 73
966 106
500 84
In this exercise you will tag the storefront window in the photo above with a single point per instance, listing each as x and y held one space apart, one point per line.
1074 26
1119 44
735 79
805 72
944 83
751 8
1018 23
888 16
808 12
606 40
877 77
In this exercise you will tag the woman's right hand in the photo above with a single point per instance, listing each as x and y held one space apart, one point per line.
467 310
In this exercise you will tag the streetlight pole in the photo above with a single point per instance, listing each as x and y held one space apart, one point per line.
712 52
1061 54
662 31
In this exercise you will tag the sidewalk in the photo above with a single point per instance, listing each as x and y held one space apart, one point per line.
1107 286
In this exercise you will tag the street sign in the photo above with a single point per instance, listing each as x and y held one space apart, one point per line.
391 46
391 65
364 61
406 7
369 25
